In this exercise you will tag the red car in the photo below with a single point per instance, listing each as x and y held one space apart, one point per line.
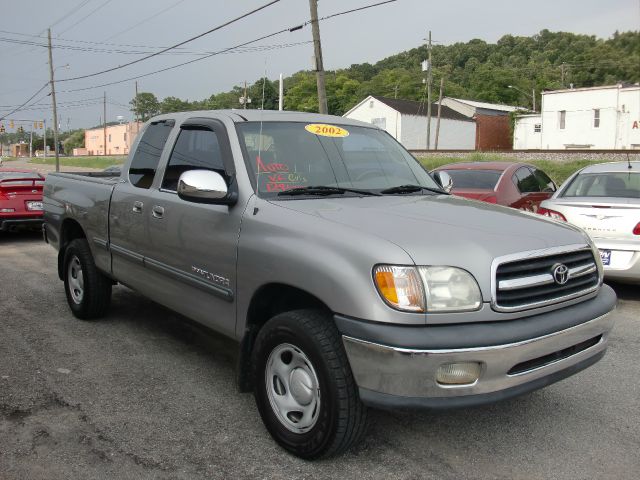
516 185
20 199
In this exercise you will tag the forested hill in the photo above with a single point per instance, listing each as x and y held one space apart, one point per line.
476 70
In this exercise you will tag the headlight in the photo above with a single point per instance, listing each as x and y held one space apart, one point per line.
430 289
450 289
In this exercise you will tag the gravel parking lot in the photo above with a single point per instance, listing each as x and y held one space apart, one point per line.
144 394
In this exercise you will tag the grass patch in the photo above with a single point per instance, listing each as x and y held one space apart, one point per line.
558 171
89 162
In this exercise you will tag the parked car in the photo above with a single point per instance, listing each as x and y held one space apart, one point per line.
346 275
516 185
604 200
20 199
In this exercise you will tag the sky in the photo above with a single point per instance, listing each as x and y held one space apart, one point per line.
104 34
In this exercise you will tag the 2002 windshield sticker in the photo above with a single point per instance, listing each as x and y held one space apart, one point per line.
326 130
279 176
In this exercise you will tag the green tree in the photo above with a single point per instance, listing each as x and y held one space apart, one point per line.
74 140
145 105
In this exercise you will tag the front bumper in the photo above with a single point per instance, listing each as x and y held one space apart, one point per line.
516 356
10 224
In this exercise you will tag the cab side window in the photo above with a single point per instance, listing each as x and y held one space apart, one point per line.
195 149
525 181
147 155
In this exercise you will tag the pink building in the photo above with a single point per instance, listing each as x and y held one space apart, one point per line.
119 139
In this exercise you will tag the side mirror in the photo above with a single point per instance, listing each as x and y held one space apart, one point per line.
444 179
205 186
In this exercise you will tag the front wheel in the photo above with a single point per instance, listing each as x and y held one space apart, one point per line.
305 390
88 290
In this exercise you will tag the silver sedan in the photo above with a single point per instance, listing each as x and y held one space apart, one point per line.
604 200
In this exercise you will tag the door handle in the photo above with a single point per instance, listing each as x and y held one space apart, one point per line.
157 211
137 207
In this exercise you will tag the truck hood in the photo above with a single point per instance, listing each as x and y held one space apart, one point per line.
442 229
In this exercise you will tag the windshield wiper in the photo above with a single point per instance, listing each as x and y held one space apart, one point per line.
324 190
411 189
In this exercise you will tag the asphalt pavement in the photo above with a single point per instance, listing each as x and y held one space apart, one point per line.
142 394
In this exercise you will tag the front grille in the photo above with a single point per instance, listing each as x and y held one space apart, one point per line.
553 357
533 281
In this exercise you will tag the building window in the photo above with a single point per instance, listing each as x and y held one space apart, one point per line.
380 122
109 137
371 104
596 118
562 117
125 136
537 127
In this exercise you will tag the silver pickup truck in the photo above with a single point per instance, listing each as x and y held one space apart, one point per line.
348 276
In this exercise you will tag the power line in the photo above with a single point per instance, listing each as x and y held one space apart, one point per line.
69 13
27 101
137 52
272 2
144 21
103 4
264 37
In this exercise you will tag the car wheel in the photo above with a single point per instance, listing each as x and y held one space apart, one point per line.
304 387
88 290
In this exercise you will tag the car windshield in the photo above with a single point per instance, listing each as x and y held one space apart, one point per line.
289 155
482 179
606 184
20 175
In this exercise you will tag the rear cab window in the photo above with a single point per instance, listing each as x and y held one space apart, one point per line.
480 179
147 155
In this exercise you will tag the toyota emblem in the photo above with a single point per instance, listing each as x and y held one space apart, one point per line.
560 273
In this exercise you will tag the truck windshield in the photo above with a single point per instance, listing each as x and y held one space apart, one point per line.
283 156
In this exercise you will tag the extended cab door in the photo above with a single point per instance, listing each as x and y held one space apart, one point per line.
192 246
129 209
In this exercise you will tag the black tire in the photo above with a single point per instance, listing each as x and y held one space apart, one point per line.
340 417
93 299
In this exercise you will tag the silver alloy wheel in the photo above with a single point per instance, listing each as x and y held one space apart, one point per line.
293 388
75 278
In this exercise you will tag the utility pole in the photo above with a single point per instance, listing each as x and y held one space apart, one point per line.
44 138
533 96
439 111
281 94
244 96
135 103
317 50
104 119
31 144
395 91
429 81
55 110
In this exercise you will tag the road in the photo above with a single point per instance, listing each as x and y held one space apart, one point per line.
142 394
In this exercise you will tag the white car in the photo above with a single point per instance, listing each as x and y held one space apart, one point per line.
604 200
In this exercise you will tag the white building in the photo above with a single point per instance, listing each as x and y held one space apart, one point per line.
406 121
583 118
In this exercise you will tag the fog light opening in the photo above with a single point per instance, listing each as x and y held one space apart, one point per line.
459 373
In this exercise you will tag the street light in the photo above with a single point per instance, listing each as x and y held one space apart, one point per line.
531 96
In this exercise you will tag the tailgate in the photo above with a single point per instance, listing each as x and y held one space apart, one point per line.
21 194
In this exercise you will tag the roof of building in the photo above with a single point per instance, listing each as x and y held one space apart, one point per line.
411 107
622 86
488 106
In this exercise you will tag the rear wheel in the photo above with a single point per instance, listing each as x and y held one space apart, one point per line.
305 390
88 290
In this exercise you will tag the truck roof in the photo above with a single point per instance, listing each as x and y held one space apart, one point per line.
240 115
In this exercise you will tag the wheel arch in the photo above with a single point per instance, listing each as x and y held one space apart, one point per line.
69 231
268 301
